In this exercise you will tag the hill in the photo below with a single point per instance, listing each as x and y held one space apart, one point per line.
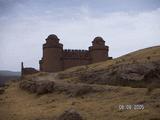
125 88
8 75
137 69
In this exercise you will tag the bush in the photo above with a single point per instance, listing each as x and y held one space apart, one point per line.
148 57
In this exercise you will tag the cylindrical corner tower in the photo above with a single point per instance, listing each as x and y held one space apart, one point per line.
98 50
52 55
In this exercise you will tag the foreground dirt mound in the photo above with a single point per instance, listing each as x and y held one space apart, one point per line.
39 87
70 114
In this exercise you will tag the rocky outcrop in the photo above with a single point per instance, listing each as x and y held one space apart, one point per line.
70 114
2 90
39 87
125 74
45 86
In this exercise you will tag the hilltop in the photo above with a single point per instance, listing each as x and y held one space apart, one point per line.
96 91
136 69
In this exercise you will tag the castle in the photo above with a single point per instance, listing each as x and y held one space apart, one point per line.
55 58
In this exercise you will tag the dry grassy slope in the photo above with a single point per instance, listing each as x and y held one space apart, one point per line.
136 60
143 55
16 104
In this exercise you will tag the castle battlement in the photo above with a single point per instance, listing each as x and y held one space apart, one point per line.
75 50
55 58
79 54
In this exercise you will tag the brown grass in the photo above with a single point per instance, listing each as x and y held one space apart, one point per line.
16 104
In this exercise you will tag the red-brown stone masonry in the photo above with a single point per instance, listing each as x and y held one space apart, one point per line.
55 58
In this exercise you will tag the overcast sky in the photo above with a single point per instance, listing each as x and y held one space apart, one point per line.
125 25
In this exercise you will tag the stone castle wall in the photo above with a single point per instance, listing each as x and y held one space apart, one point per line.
55 58
73 58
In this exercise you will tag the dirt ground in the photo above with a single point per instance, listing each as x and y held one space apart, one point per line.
16 104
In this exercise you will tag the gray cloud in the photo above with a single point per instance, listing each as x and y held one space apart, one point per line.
23 32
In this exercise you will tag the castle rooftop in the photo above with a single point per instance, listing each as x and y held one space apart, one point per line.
52 37
98 39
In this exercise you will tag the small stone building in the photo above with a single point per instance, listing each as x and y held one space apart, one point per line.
55 58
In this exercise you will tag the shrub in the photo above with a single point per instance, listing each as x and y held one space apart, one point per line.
148 57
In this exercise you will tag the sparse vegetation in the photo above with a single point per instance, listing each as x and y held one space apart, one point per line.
93 91
91 106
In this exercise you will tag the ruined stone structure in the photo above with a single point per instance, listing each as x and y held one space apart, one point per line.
55 58
27 70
